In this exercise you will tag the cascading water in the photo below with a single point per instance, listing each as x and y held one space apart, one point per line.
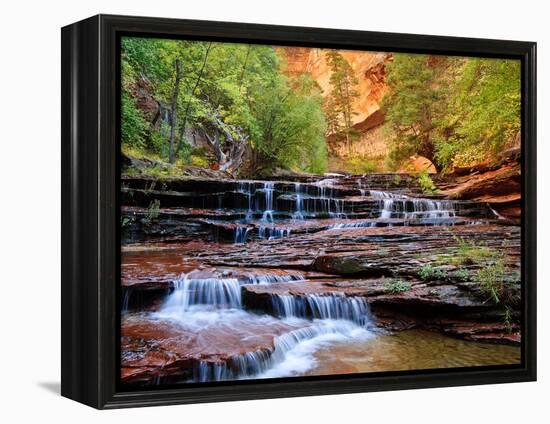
241 234
271 233
268 212
410 208
334 306
298 214
245 187
218 293
199 302
359 224
301 324
292 353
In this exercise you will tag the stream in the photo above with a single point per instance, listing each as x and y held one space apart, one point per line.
263 279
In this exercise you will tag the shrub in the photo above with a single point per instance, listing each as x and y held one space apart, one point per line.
153 212
491 280
397 286
429 272
469 252
361 165
125 221
462 274
426 184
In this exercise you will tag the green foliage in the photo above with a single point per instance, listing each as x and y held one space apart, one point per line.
429 272
462 274
413 105
290 125
361 165
453 111
153 212
396 181
125 221
239 87
397 286
491 279
484 108
426 184
468 252
339 103
134 127
491 272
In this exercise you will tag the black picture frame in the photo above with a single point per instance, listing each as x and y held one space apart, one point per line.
90 216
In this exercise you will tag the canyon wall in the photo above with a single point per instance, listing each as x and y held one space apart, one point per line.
370 71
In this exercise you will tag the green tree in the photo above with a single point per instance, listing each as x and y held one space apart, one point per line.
453 111
234 97
134 126
413 104
290 125
339 105
484 111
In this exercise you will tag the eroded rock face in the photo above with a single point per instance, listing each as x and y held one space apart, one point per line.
370 71
498 185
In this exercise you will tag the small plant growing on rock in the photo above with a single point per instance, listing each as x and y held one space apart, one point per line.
153 212
508 318
429 272
397 180
462 274
125 221
469 252
426 183
491 279
397 286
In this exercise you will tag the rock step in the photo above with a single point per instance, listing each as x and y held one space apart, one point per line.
381 251
308 206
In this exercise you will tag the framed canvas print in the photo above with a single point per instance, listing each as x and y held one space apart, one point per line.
254 211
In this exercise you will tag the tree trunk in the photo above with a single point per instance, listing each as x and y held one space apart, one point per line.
174 111
428 151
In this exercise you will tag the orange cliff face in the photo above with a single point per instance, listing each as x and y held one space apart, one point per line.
369 68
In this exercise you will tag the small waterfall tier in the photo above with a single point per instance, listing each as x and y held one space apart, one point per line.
339 307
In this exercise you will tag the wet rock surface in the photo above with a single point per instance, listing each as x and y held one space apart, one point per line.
221 279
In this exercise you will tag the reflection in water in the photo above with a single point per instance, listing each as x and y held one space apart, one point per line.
410 350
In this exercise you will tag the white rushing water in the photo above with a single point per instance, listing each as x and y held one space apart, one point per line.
198 304
334 306
293 352
407 208
217 292
299 325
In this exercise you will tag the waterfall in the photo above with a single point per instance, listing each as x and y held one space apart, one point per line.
359 224
298 214
245 187
272 233
217 292
396 205
334 306
268 189
292 353
241 234
272 278
361 189
220 293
